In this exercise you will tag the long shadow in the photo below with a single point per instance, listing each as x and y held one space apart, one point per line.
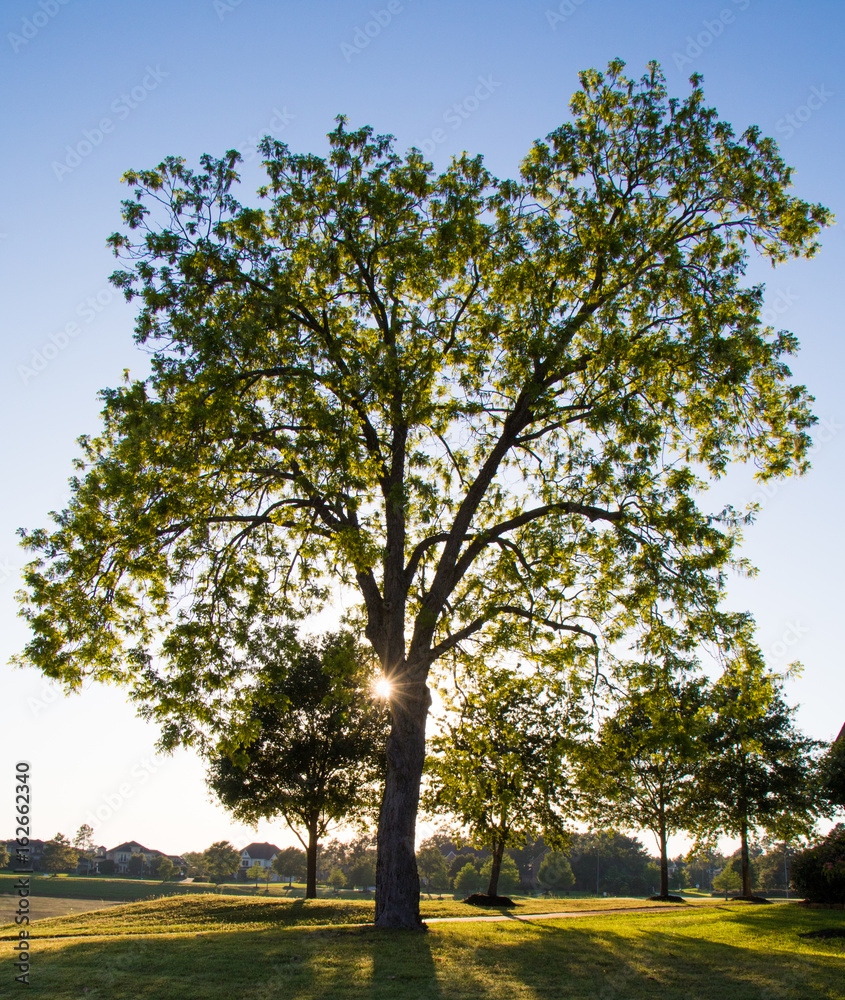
646 960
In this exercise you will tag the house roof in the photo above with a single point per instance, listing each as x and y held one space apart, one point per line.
129 845
264 852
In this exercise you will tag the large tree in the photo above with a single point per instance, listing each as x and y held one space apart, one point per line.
483 403
317 754
59 855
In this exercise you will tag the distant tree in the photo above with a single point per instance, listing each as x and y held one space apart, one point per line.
196 862
221 860
818 873
162 867
337 880
611 862
4 855
729 878
774 867
462 859
499 764
832 773
290 864
469 880
106 866
254 872
760 773
84 843
137 864
363 872
701 865
432 867
59 855
318 751
555 871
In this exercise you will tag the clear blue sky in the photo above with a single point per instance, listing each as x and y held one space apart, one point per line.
91 88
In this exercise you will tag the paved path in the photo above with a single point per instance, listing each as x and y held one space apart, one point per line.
568 913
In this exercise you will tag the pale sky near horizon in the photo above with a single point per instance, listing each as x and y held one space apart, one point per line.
94 88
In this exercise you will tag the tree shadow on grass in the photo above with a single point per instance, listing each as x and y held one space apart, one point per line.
645 960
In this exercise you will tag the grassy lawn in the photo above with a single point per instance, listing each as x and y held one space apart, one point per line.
211 949
181 914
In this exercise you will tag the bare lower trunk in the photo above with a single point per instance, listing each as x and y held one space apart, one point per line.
746 865
397 879
311 862
664 861
496 867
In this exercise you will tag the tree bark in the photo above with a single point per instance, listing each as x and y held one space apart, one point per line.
311 861
664 860
746 866
496 867
397 879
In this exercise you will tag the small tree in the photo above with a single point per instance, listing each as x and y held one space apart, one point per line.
640 772
336 879
137 864
162 867
4 855
84 843
59 854
363 873
468 880
221 860
555 871
290 864
818 873
432 867
196 862
760 772
500 765
317 752
254 871
106 866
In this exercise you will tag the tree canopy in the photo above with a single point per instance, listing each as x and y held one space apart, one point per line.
486 404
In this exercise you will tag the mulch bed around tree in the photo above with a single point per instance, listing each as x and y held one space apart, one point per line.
666 899
482 899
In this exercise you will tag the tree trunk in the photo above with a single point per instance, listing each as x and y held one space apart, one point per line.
496 867
311 861
397 879
664 860
746 866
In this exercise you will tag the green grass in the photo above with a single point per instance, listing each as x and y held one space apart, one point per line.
181 914
228 949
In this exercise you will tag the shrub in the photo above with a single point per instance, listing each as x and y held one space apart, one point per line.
468 881
818 873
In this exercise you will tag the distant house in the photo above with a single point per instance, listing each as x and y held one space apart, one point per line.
36 853
121 854
258 854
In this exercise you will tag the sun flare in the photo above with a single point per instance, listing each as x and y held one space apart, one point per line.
383 688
